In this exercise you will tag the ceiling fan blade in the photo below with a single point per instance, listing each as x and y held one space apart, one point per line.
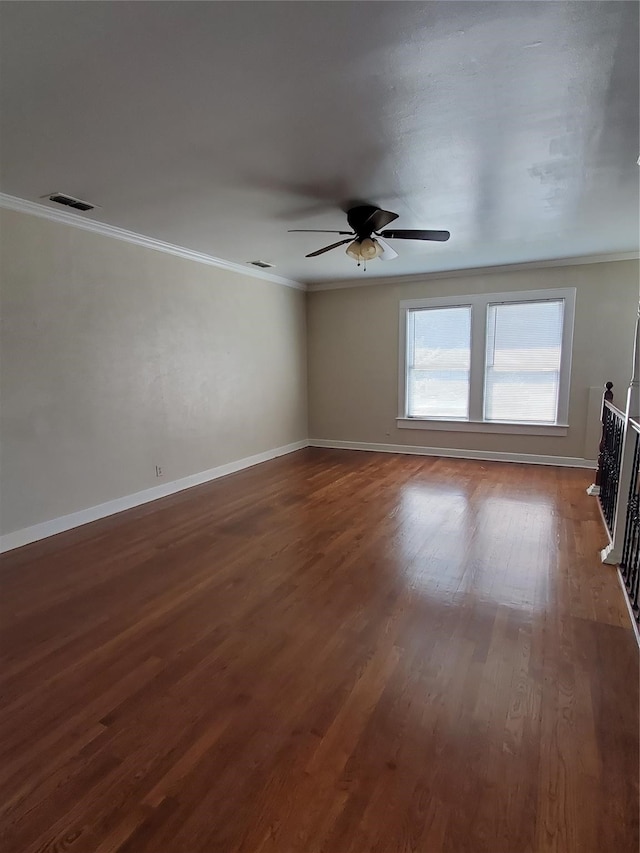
388 254
328 248
439 236
317 231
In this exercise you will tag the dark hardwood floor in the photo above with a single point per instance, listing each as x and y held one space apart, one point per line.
335 651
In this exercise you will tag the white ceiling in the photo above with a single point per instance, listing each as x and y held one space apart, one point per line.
218 126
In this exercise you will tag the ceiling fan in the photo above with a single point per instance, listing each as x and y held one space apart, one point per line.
365 221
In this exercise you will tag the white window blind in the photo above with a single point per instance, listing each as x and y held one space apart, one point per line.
522 364
438 359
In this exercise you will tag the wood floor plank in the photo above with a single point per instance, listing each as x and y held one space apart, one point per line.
333 651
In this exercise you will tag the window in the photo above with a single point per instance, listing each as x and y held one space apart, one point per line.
522 363
490 362
438 362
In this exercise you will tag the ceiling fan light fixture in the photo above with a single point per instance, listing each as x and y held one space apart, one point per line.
364 250
353 250
370 249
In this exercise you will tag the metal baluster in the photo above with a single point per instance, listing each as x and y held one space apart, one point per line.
634 515
603 464
630 562
607 395
631 527
613 434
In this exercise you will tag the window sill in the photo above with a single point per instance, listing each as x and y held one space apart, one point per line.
482 426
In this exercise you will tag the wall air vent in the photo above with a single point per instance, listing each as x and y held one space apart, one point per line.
263 265
70 201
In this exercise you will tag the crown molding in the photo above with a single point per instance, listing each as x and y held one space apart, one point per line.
472 271
75 220
21 205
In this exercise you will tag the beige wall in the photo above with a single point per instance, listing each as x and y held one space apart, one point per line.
117 358
353 355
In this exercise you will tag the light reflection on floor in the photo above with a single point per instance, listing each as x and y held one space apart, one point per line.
464 538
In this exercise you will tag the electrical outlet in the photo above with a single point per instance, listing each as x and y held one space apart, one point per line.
158 471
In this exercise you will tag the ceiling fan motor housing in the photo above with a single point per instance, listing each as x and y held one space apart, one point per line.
365 219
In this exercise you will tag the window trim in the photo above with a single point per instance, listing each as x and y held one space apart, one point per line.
479 303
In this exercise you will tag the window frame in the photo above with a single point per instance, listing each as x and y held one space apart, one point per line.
479 303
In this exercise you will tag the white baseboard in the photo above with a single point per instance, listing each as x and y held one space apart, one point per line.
65 522
75 519
632 616
605 553
454 453
609 555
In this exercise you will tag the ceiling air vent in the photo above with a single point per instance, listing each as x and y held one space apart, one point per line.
263 265
70 201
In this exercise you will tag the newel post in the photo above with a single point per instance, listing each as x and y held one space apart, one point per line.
612 554
607 394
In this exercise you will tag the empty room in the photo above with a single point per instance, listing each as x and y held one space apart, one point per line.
320 427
